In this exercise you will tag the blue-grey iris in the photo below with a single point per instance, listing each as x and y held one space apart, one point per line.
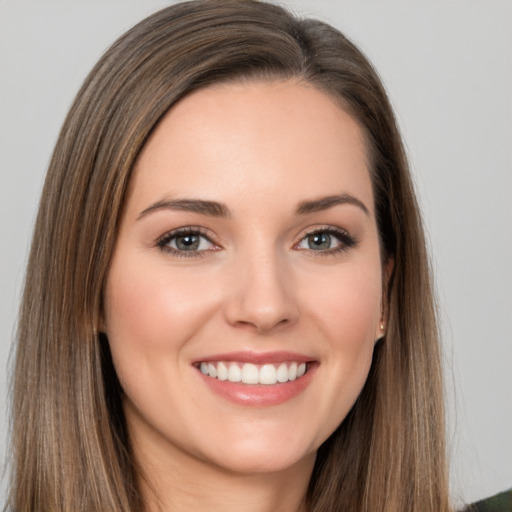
318 241
187 242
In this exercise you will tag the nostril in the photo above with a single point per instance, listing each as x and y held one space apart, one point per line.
261 326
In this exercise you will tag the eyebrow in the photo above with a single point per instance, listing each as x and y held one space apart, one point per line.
211 208
323 203
215 209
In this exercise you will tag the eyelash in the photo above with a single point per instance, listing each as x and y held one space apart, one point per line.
168 237
346 241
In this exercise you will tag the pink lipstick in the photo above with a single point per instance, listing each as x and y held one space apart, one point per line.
257 379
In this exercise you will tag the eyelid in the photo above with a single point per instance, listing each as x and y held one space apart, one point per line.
346 239
163 241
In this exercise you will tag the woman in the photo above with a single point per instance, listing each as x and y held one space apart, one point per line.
228 297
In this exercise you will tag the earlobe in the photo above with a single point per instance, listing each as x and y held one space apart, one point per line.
381 330
387 270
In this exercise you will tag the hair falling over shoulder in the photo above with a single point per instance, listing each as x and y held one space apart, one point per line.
70 449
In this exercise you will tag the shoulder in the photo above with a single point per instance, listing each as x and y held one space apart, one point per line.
500 503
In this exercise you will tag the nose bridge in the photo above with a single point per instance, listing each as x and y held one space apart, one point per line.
262 287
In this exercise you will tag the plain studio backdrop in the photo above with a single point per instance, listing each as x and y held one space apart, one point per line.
447 66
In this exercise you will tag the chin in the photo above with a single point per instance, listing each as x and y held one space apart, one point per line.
250 462
261 453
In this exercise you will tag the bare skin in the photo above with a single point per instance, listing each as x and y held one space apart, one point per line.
248 234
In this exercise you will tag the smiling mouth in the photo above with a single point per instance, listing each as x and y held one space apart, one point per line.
249 373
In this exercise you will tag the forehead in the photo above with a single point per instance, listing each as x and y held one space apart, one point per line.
279 140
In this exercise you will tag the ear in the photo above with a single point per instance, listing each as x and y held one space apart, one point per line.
387 271
100 326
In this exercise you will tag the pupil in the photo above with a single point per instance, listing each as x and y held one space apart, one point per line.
319 241
187 242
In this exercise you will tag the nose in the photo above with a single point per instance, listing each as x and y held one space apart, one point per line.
261 296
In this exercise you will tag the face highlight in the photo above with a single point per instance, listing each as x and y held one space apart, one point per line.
244 296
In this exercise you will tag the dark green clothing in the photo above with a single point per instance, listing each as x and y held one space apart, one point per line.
500 503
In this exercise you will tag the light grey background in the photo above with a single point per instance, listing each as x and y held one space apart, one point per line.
448 69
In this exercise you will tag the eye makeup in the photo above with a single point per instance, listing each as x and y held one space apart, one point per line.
186 242
194 241
326 240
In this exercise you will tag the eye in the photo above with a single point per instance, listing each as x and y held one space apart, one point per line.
186 242
329 240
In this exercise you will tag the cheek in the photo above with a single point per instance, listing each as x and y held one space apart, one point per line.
152 307
347 306
151 315
346 316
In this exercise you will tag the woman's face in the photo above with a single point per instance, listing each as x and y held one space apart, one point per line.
247 249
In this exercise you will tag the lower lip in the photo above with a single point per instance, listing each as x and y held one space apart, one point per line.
260 395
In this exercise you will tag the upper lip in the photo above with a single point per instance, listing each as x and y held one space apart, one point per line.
257 357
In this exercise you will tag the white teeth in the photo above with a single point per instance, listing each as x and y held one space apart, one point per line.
282 373
268 374
292 371
249 373
222 371
234 373
212 370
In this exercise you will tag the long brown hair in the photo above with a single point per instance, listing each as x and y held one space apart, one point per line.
70 450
